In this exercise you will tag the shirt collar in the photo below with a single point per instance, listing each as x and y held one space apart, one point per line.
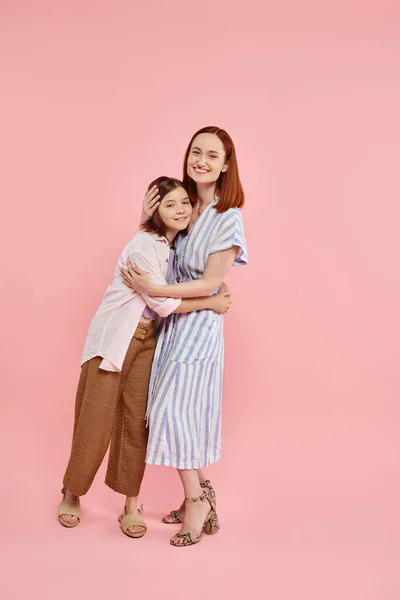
161 238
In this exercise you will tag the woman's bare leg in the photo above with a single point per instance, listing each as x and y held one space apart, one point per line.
201 476
195 512
181 509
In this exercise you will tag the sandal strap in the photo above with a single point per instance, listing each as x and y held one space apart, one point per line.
187 536
201 498
172 518
131 519
69 507
206 484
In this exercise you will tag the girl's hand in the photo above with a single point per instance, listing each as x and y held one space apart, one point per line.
150 203
222 301
138 280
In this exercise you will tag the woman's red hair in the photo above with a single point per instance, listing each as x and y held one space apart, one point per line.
229 188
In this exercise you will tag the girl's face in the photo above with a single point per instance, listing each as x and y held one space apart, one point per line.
175 210
207 159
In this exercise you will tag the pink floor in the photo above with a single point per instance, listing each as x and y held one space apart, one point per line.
301 534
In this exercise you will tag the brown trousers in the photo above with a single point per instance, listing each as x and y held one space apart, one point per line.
111 406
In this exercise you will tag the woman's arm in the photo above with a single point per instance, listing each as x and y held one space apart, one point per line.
219 303
217 268
149 263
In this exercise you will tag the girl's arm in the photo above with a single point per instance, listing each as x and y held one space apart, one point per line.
217 268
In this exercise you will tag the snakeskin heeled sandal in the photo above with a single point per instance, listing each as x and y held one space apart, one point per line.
210 525
173 517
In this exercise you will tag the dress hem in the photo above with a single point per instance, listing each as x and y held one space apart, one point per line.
162 462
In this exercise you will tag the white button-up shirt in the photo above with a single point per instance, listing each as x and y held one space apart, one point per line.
116 319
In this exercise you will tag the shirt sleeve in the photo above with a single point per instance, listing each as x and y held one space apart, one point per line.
147 259
230 233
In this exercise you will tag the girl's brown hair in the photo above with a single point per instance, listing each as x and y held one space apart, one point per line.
165 185
229 188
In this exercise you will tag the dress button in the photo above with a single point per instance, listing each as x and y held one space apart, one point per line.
178 280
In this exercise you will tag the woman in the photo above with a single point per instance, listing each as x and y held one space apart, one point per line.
184 411
116 365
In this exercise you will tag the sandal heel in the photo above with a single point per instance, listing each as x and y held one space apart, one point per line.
212 525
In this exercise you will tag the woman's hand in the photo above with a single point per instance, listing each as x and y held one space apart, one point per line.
138 280
150 204
222 301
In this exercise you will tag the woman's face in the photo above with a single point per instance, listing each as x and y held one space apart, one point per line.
175 210
207 158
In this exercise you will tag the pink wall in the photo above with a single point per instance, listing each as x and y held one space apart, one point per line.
97 99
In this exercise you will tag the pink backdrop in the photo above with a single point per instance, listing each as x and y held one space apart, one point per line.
98 98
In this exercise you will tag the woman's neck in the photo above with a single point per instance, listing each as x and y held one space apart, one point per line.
205 193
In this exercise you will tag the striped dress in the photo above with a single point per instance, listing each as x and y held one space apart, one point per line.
185 392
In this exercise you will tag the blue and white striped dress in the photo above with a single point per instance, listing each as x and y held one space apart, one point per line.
185 392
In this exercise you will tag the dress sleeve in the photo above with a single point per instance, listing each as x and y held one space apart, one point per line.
147 259
230 233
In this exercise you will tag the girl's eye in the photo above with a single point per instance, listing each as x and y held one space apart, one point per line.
169 205
195 152
212 156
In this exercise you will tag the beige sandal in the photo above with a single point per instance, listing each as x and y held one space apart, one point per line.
71 508
132 519
173 517
210 525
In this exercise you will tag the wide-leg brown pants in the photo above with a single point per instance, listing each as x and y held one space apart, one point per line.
111 406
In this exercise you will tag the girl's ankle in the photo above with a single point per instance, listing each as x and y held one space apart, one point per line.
131 504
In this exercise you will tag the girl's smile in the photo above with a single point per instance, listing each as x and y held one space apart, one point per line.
175 211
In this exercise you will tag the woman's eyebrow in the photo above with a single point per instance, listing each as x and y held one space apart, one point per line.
197 148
